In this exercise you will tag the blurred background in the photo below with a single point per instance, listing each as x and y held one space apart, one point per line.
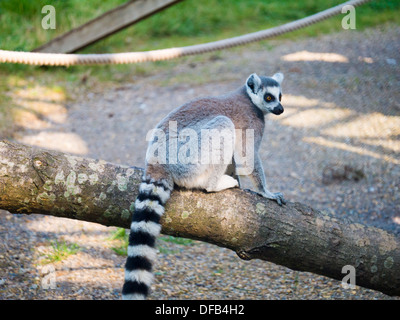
336 147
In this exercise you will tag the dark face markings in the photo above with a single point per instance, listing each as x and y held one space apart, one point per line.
269 97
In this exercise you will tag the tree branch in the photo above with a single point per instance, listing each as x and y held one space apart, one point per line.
295 235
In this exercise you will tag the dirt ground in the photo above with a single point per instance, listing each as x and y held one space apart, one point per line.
336 148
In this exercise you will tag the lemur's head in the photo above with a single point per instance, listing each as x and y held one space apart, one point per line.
266 92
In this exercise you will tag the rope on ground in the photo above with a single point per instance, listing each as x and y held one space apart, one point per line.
60 59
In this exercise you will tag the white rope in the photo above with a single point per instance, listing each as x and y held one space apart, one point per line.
61 59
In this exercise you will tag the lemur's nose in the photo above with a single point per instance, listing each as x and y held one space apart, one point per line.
278 109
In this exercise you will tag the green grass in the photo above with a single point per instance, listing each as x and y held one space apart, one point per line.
59 251
119 234
186 23
178 240
122 238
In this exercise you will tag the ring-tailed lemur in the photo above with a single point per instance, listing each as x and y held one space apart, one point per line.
242 109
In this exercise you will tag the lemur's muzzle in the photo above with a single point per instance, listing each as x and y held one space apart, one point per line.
278 109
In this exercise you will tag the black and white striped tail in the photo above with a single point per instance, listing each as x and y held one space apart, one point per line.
145 227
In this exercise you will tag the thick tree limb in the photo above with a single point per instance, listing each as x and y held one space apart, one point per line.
294 235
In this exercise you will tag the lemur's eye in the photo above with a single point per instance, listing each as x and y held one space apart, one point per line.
280 97
268 97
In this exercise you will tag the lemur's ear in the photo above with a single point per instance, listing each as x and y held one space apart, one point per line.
278 77
253 82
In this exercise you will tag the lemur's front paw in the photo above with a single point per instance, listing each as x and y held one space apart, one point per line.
279 198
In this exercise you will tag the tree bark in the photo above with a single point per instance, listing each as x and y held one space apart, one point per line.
294 235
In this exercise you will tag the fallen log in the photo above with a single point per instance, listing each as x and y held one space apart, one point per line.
294 235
